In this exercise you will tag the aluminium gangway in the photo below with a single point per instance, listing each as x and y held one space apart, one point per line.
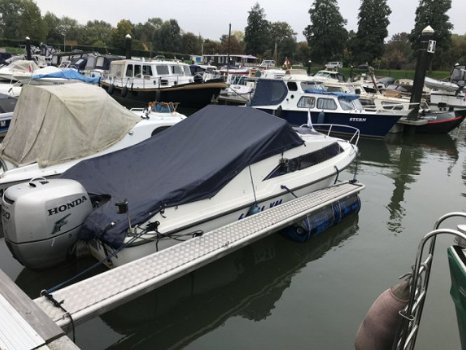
96 295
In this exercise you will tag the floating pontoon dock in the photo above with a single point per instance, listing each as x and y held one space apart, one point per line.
96 295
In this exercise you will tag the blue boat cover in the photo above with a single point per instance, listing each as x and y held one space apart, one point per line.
191 160
68 73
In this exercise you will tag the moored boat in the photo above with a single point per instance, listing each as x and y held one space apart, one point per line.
292 97
134 82
187 181
56 126
451 93
440 122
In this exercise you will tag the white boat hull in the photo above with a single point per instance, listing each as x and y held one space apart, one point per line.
131 253
232 203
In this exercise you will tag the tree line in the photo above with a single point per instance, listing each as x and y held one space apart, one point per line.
326 36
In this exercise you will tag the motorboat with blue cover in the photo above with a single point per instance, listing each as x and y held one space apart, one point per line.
215 167
61 75
292 97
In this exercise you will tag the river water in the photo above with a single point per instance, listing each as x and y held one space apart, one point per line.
278 294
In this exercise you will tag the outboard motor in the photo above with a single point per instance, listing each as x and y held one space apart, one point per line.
41 220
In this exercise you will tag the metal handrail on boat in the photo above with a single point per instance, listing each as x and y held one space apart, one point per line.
390 107
355 132
411 314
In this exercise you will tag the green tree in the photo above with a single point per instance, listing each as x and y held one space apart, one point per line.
398 52
119 33
233 46
191 44
433 13
210 47
21 18
326 35
97 33
72 31
257 32
302 54
458 49
372 30
169 36
51 25
284 39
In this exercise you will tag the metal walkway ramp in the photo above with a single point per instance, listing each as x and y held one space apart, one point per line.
101 293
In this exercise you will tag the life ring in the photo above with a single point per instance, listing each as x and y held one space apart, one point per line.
124 91
110 89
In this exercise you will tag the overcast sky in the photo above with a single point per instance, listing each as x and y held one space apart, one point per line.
210 18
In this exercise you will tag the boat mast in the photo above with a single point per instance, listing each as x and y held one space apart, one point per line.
228 49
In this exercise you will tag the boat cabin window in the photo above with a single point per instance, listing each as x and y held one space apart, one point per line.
335 89
147 70
137 70
307 102
286 166
269 92
326 103
177 70
187 71
129 70
292 86
162 69
99 62
311 85
349 103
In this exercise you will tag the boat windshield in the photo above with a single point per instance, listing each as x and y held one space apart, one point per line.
349 103
312 85
187 71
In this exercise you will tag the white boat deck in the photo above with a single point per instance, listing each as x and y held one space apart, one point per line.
101 293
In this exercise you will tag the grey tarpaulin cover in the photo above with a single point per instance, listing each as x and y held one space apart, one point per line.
56 123
190 161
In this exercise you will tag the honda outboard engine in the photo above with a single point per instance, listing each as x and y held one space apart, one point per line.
41 220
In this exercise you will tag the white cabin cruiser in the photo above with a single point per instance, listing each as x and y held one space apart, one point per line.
134 82
56 126
187 181
293 97
21 67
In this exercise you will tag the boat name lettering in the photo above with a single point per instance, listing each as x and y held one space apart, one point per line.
67 206
357 119
271 205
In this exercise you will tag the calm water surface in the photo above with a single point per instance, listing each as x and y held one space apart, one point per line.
278 294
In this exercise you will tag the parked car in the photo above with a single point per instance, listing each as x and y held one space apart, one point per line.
334 65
